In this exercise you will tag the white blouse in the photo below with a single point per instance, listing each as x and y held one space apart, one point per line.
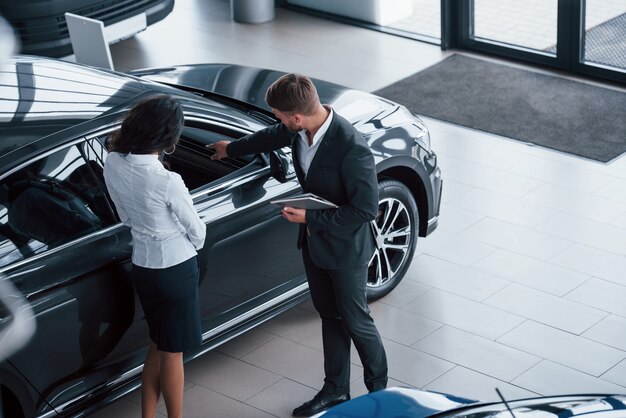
157 206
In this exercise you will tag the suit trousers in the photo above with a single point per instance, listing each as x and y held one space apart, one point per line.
339 296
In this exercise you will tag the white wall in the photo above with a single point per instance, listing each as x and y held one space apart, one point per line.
381 12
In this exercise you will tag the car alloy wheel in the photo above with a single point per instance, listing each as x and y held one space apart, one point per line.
395 229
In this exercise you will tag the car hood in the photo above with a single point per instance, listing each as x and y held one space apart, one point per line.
249 84
396 402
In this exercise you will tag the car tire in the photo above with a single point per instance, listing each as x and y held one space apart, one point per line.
9 406
396 229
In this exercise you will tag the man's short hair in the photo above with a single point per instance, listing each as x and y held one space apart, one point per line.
293 93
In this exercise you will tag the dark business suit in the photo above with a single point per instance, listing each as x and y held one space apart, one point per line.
337 244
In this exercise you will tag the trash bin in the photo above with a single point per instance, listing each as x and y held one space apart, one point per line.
252 11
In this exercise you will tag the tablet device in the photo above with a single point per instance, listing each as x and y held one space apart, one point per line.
305 201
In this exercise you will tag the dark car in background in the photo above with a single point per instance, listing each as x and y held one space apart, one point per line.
41 28
90 338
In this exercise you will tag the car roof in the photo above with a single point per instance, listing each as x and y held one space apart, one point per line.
40 96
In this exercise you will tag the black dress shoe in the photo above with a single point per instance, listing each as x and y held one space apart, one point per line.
321 402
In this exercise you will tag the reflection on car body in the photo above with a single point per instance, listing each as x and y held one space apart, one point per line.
401 402
55 118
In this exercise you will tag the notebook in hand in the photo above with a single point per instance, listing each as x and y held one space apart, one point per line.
305 201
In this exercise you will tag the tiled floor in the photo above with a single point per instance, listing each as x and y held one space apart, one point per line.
522 287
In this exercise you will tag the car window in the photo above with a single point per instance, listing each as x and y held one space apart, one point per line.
192 160
51 201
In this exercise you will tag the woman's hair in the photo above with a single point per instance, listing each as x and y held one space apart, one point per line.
294 93
151 125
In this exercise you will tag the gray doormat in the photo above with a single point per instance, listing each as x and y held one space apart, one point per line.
546 110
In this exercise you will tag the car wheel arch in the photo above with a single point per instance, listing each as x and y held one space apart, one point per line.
18 392
396 229
414 182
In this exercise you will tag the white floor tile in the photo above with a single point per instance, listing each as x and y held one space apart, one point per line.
564 174
453 189
404 293
583 231
492 179
531 272
620 222
564 348
516 239
455 219
616 190
391 323
282 397
617 375
610 331
298 325
200 402
453 278
413 367
291 360
548 378
507 209
465 314
548 309
454 248
477 353
601 294
593 262
478 152
245 343
470 384
577 203
228 376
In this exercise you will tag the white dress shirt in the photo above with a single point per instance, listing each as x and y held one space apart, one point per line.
157 206
306 152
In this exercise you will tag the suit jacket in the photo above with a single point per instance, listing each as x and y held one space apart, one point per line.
343 172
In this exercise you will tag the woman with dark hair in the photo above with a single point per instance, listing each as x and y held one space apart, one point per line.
166 231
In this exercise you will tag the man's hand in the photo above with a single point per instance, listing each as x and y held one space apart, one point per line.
294 214
220 149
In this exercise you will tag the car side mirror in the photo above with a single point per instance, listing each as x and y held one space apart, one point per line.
281 167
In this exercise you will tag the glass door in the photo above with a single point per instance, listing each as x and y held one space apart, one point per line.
529 25
579 36
604 38
421 18
525 30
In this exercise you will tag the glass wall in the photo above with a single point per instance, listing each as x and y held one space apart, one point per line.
529 24
424 20
605 33
419 19
579 36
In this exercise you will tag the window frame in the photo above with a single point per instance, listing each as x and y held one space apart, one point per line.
457 33
91 235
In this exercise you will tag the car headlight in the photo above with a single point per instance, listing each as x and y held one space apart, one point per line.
422 136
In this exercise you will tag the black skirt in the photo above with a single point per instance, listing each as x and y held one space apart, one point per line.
169 298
